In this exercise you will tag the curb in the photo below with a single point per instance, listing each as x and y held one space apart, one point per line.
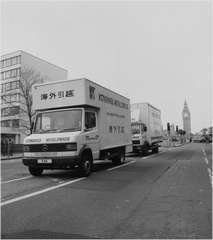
173 146
11 158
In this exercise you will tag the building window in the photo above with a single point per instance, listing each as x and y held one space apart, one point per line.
15 123
10 111
13 98
2 88
3 100
7 74
6 123
10 61
11 73
10 98
14 60
10 86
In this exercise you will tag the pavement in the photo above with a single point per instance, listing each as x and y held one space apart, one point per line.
160 196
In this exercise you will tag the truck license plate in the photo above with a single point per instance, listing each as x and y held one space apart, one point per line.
44 161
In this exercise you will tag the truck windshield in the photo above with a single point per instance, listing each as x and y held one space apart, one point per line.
138 128
58 121
135 129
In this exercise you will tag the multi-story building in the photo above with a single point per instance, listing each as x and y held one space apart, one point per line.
186 120
13 121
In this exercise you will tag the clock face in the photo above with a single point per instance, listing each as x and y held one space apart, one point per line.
185 115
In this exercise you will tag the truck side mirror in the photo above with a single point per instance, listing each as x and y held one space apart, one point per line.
85 129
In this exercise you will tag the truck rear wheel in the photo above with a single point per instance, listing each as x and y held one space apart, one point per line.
85 166
35 171
120 159
145 150
155 150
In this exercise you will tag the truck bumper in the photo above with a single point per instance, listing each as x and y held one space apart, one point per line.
56 162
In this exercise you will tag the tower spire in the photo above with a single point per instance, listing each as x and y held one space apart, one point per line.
186 119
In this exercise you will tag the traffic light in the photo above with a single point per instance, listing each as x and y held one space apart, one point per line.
168 127
177 129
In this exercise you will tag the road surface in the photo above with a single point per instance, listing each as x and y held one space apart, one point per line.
165 195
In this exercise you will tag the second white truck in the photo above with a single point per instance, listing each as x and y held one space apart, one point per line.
146 128
77 122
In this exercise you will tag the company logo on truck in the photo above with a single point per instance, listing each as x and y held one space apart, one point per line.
45 148
59 94
92 92
112 101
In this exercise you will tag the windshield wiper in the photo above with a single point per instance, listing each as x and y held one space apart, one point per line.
47 130
57 130
69 129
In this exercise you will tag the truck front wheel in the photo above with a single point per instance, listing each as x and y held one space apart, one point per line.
85 166
35 171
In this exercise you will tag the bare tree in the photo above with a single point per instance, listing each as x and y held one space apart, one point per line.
29 77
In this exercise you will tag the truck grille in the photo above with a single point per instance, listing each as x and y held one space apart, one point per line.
136 142
54 147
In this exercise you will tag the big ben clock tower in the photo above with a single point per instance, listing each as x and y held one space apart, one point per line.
186 120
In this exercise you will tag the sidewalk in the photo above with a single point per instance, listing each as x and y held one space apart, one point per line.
14 156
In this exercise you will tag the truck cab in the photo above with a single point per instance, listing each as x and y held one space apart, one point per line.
60 138
146 128
139 136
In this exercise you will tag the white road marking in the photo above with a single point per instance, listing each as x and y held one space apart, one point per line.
146 157
206 160
123 165
205 157
16 179
210 176
39 192
204 152
210 172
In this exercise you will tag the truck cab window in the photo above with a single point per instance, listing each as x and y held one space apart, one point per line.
90 120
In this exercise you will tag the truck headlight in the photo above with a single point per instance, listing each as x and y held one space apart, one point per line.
71 146
26 148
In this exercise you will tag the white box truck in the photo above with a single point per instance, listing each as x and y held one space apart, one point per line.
77 122
146 128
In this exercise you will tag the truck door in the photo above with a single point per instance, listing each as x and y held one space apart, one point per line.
92 135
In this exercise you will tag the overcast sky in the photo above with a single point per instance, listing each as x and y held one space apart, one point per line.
155 51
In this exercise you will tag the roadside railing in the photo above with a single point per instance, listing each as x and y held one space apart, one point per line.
11 149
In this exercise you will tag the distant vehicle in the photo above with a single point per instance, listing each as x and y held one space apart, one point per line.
146 128
210 134
77 121
199 138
